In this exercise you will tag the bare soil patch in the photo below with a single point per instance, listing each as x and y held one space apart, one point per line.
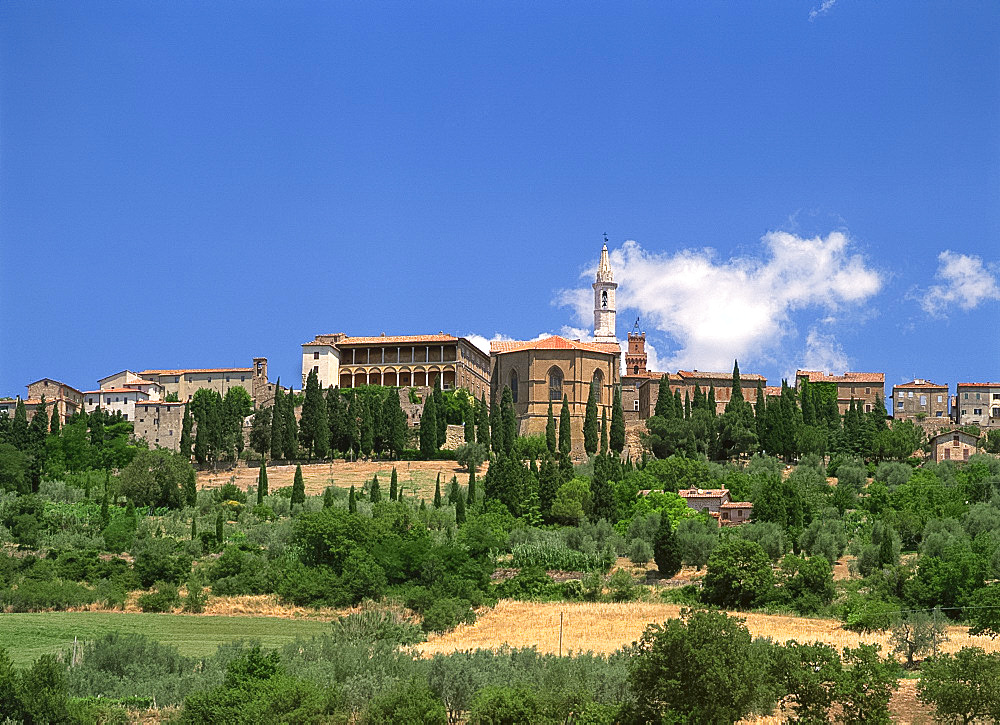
416 478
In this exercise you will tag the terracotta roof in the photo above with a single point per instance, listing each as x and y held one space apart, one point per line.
953 431
979 385
112 390
736 505
919 384
142 382
182 371
817 376
555 342
720 376
318 343
51 380
772 391
703 492
395 338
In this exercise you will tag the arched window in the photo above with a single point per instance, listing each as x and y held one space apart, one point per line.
598 386
513 384
555 384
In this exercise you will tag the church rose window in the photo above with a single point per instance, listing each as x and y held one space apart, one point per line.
555 384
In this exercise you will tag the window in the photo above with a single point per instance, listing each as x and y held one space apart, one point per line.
966 396
995 413
954 440
90 401
868 391
170 432
635 405
996 396
939 399
899 405
227 378
125 416
938 414
977 396
177 378
142 420
555 384
977 411
316 355
909 394
965 454
210 380
923 400
947 454
513 385
868 407
316 369
598 384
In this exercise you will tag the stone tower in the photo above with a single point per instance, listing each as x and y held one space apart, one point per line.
635 359
604 300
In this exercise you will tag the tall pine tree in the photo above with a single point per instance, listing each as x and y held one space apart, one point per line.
616 437
393 485
437 492
187 424
565 434
289 428
374 492
604 431
261 482
508 420
664 400
590 432
314 427
428 429
298 487
550 431
277 423
441 408
483 424
352 502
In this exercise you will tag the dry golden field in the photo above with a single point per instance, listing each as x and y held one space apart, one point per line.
416 478
605 627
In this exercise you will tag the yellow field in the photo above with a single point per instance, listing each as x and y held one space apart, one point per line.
416 478
605 628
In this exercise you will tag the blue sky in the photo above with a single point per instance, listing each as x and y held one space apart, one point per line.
795 183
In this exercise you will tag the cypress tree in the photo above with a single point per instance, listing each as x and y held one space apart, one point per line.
352 502
496 424
39 426
678 405
219 528
711 400
698 398
194 527
664 401
54 424
367 441
374 494
277 424
393 485
423 505
508 420
298 487
666 552
262 482
290 429
441 408
687 405
471 497
454 493
550 431
460 510
190 488
437 492
616 436
470 422
737 392
328 497
186 425
483 424
565 434
352 424
604 431
760 415
590 432
808 411
105 514
314 425
428 428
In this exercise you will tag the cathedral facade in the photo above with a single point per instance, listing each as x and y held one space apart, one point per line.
540 372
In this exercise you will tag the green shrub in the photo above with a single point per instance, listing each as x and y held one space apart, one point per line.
572 589
164 598
377 625
530 583
640 552
195 599
160 560
412 702
622 587
558 556
447 613
33 595
504 704
593 586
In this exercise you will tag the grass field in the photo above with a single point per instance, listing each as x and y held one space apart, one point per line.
26 636
416 478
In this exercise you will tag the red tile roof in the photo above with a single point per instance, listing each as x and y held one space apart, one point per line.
736 505
396 339
816 376
703 492
42 380
772 391
720 376
182 371
979 385
142 382
555 342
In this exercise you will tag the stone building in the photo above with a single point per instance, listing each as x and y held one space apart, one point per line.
953 445
869 388
64 399
159 423
919 399
543 371
717 502
397 361
635 376
723 384
184 382
978 404
116 400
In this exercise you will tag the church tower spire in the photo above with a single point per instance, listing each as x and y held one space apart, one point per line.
604 299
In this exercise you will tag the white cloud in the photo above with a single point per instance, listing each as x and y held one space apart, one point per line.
965 281
823 352
717 310
823 9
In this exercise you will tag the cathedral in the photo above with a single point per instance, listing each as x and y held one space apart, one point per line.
547 370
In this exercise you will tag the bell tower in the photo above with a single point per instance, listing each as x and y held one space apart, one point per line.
604 300
635 359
